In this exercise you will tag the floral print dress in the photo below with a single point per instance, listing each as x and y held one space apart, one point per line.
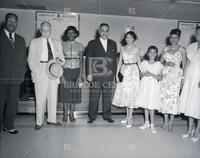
170 85
127 90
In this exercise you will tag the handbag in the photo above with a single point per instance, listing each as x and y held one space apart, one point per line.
120 77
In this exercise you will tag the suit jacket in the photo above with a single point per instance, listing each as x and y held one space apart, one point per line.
12 59
35 52
100 64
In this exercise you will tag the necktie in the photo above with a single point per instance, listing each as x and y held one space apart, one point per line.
50 54
11 40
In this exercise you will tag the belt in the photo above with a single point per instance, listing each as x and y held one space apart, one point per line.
129 63
72 58
43 61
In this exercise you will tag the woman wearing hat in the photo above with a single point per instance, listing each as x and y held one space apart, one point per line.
70 91
172 57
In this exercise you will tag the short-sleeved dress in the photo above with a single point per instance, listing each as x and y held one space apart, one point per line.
190 95
170 85
149 92
69 88
127 90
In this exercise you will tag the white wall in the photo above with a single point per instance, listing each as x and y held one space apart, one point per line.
149 30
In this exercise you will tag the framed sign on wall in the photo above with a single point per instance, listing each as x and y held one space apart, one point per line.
58 20
187 31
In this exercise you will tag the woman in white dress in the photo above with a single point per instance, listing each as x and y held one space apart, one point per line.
149 93
127 89
173 57
190 96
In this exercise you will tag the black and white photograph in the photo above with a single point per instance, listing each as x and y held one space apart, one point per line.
99 78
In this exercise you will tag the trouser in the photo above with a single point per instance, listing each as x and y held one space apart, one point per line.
46 95
8 105
96 89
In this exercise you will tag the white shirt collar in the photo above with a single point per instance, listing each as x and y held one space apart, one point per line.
104 43
103 40
7 34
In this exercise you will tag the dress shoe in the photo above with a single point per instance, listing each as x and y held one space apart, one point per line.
145 126
109 120
65 118
72 118
129 125
124 121
37 127
54 124
90 121
188 134
153 130
11 131
196 139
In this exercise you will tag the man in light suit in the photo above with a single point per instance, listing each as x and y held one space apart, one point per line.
12 69
42 50
101 64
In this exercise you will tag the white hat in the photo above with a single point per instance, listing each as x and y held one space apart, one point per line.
54 69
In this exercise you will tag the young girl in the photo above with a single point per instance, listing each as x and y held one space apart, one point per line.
126 90
149 93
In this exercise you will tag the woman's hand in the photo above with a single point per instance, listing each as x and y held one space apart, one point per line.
89 78
80 79
117 78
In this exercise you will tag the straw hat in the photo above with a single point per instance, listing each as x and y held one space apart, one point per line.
54 69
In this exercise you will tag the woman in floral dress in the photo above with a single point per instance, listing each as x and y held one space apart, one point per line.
172 58
126 90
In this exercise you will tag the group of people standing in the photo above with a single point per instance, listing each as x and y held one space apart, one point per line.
169 84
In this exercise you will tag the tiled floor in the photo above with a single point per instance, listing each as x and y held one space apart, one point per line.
98 140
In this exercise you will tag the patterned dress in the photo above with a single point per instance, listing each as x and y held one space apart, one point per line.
170 85
126 91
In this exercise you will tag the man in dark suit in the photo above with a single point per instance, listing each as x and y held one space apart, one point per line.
12 69
101 58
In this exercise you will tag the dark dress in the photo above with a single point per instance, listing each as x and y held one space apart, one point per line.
69 89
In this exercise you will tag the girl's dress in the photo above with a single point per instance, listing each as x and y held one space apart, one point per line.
127 90
190 95
170 85
149 92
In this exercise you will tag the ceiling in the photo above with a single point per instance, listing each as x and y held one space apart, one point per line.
166 9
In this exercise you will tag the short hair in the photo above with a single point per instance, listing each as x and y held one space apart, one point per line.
146 57
45 22
8 15
132 33
175 31
72 28
104 24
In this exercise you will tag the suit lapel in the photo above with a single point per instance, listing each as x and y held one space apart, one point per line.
8 41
